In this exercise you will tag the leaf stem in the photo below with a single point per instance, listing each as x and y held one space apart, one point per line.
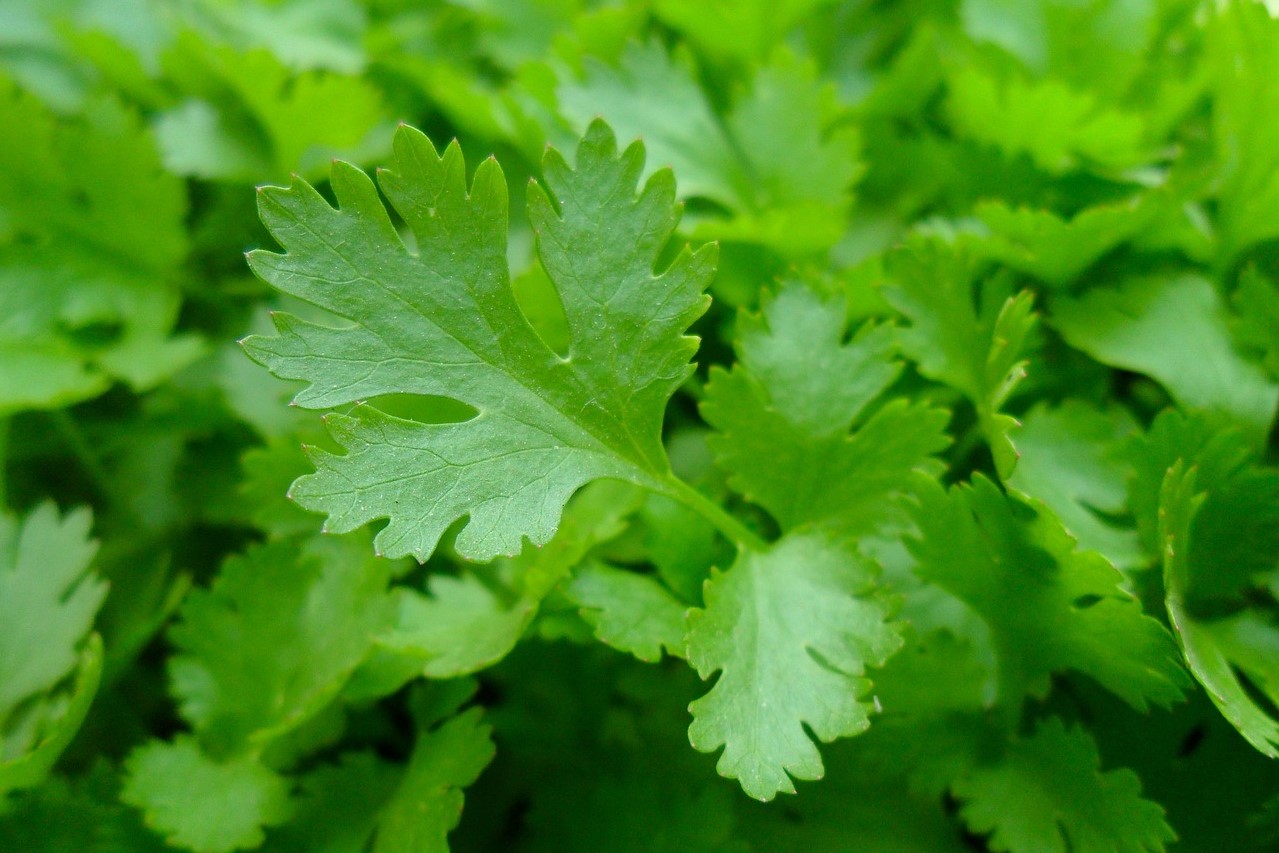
736 532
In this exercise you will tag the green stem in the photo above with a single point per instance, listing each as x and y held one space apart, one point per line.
736 532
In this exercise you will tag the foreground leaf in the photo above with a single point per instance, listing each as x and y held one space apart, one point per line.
444 322
791 632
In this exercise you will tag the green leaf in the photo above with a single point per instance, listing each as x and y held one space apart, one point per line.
48 601
200 804
443 322
1055 249
45 730
471 621
1071 460
1047 794
1211 660
781 164
740 30
87 261
1059 127
1256 303
1175 330
1049 606
242 674
1242 47
969 336
631 612
785 410
791 632
247 117
1234 543
337 806
84 816
428 802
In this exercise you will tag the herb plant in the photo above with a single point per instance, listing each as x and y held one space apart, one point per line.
825 426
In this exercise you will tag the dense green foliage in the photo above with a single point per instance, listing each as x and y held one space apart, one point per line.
820 426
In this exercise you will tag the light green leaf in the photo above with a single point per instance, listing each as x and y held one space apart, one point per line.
631 612
1174 329
1061 128
791 632
785 411
740 30
200 804
247 117
1055 249
1049 606
39 736
444 322
91 233
1047 794
48 601
780 164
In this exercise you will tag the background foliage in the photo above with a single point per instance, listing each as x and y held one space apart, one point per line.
976 514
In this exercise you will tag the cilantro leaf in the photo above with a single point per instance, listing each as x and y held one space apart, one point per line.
201 804
791 631
1072 461
629 611
88 257
1242 48
428 802
246 116
242 674
472 621
1056 249
1049 606
1047 794
1212 650
1175 330
968 336
1059 127
48 601
784 413
444 322
781 164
